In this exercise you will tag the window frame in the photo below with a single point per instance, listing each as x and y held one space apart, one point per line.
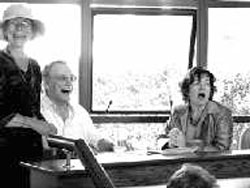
79 2
201 46
86 81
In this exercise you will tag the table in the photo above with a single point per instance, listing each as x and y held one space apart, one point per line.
138 168
54 174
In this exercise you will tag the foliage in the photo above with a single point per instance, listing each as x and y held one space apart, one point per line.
235 94
132 91
138 92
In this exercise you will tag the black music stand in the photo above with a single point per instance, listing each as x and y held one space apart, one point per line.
98 174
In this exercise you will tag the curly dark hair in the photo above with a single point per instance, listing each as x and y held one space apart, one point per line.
190 78
192 176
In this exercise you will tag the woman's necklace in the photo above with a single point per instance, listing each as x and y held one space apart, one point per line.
195 115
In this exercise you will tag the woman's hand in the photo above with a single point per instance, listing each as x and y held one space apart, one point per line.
176 138
40 126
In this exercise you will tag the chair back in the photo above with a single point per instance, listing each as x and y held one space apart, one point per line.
244 141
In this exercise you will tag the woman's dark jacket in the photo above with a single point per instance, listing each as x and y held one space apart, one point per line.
19 93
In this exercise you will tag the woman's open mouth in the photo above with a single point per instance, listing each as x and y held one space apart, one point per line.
201 95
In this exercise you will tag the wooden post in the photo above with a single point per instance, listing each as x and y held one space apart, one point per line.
202 33
86 56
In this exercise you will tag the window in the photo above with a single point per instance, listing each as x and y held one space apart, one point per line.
138 60
62 39
229 57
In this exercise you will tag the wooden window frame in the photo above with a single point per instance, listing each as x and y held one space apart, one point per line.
86 66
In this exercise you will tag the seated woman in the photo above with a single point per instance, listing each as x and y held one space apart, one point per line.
200 120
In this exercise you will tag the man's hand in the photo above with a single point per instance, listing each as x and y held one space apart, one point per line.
105 145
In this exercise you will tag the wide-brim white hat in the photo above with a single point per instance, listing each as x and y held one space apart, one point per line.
22 11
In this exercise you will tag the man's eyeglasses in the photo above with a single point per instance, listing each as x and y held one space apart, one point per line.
64 78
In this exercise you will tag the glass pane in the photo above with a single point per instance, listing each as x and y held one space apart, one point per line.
229 57
62 37
138 60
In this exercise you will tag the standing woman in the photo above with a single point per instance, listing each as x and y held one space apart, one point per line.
21 123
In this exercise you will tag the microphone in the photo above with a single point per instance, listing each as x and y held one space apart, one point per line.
171 104
168 126
108 107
